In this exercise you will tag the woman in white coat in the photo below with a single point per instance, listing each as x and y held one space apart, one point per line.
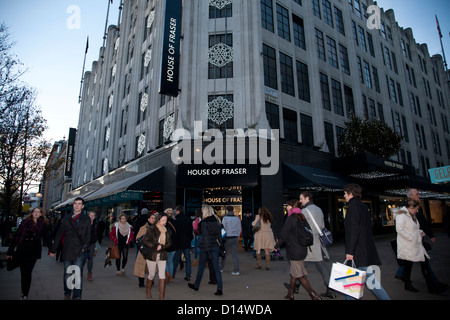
409 243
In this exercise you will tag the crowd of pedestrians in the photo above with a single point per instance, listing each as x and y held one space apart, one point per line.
164 243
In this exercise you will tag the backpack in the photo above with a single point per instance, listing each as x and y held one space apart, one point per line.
304 234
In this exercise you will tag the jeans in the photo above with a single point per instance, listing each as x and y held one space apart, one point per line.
214 254
74 276
231 243
196 244
169 264
375 286
177 258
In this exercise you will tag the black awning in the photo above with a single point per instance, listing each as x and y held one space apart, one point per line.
310 178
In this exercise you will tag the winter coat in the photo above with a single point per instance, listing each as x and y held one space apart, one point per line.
210 230
358 234
184 232
151 241
264 238
140 267
28 240
294 251
409 238
114 234
315 254
73 245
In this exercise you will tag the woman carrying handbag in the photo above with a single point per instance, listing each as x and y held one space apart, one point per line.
28 241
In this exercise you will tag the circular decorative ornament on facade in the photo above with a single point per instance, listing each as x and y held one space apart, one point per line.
220 54
169 126
220 4
220 110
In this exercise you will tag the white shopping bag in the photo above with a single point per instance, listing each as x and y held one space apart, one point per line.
347 280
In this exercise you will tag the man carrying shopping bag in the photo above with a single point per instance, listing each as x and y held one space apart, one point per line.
359 244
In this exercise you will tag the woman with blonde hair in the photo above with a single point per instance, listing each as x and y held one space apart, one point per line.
122 234
28 241
264 239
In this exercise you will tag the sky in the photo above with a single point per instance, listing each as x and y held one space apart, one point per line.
50 39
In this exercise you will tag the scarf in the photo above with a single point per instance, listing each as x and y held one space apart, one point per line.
162 237
123 228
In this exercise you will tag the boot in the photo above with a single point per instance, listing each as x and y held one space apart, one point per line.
305 283
409 287
148 288
314 295
258 261
267 261
89 277
290 294
162 288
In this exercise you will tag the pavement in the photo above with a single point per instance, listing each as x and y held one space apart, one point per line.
251 284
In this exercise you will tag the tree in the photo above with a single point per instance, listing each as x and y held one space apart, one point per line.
22 147
373 136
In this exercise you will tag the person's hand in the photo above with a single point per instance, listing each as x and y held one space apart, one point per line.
52 255
8 257
433 240
348 257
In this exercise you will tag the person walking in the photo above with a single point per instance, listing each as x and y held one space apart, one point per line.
182 241
28 241
359 243
140 266
121 235
157 239
197 235
247 234
171 250
264 239
313 212
232 225
210 228
409 244
92 242
76 228
296 253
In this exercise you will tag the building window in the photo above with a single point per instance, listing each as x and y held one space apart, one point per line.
329 137
270 67
287 74
299 32
316 8
327 14
325 90
343 55
307 130
273 115
362 38
283 23
367 74
320 45
339 21
290 126
225 12
303 82
349 102
225 71
337 97
267 15
332 53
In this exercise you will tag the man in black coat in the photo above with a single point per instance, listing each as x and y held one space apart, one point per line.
76 228
181 241
359 243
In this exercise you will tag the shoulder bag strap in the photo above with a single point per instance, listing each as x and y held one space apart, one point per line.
314 221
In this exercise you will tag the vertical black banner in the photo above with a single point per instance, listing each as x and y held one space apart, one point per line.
170 63
69 153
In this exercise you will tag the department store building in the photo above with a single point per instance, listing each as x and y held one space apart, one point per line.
191 101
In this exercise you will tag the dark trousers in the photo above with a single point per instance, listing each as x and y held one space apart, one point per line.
26 268
425 268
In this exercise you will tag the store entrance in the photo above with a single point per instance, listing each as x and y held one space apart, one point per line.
219 198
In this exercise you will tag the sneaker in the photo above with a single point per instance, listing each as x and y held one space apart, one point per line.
235 273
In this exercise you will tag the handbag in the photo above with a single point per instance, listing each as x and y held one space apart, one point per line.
12 263
256 227
325 236
347 280
114 252
222 250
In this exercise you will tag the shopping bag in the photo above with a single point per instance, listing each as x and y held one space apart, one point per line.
114 253
347 280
